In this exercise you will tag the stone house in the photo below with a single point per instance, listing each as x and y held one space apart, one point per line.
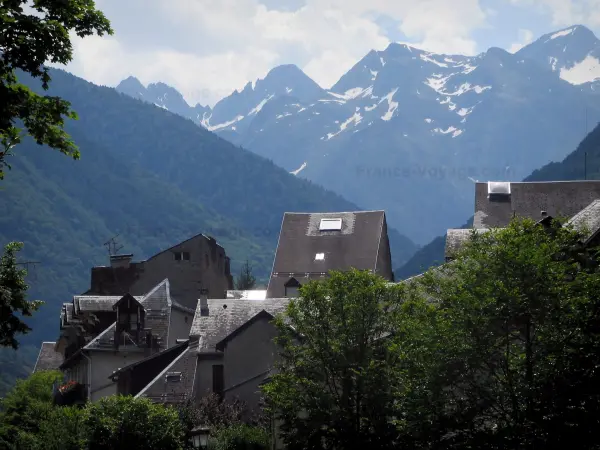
197 264
194 264
144 328
311 245
496 203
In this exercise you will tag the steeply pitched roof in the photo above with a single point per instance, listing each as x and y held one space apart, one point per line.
355 245
97 303
175 383
529 199
157 304
587 220
225 316
455 238
175 351
48 359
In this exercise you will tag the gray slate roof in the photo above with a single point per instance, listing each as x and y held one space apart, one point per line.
455 238
97 303
225 316
587 220
356 245
529 199
157 304
165 388
48 359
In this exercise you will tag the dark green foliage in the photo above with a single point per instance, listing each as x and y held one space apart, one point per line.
120 422
246 279
210 411
24 408
336 380
28 42
13 300
240 437
63 429
515 361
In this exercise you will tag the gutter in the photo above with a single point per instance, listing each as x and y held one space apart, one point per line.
89 376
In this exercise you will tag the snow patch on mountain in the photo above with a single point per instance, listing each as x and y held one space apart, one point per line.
299 169
392 105
356 119
582 72
561 33
427 57
260 106
224 125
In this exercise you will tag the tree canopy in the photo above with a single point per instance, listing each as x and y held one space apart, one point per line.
335 382
497 349
13 300
31 35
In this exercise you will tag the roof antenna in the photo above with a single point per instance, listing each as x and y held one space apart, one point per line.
113 246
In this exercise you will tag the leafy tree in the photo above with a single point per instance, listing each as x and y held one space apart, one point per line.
515 362
246 279
336 381
27 405
32 35
13 301
210 411
63 429
240 437
132 423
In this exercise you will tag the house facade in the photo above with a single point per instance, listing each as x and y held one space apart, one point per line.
195 264
311 245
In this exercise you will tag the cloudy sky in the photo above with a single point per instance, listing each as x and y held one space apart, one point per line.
208 48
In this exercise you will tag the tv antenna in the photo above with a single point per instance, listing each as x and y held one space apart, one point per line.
113 246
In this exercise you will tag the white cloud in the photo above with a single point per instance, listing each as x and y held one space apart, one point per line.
525 37
207 48
567 12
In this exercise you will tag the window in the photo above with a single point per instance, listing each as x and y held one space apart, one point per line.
330 225
499 191
291 291
319 256
182 256
218 379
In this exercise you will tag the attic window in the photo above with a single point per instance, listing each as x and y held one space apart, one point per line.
182 256
173 376
319 256
330 225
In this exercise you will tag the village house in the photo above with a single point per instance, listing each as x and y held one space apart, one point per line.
196 265
311 245
496 203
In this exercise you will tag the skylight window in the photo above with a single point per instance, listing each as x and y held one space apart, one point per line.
330 225
498 188
319 256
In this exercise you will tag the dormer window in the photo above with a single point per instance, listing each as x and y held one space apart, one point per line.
291 288
499 191
182 256
333 224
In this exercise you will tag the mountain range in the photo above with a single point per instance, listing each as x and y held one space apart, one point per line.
407 130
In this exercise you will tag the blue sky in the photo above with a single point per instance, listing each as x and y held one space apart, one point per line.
208 48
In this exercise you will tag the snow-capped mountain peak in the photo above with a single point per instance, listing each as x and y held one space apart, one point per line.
573 53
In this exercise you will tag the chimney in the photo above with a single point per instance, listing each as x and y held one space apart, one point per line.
120 261
204 302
